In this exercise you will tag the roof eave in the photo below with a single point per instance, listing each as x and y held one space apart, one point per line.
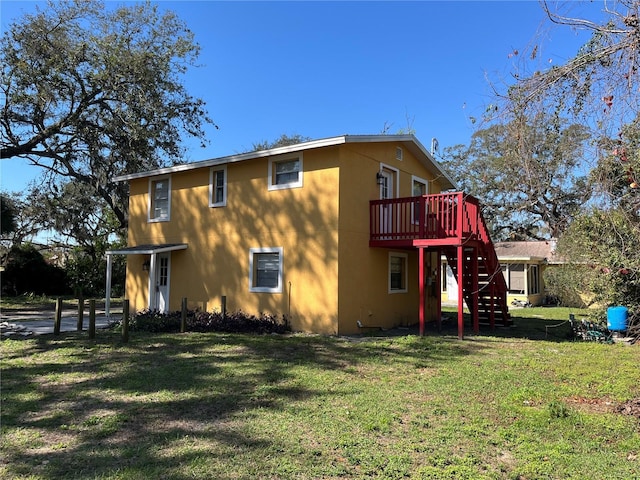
325 142
520 258
410 140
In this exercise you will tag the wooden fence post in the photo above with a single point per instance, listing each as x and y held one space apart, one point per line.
92 319
58 319
223 307
80 313
183 316
125 321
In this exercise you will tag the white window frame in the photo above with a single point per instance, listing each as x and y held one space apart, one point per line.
213 186
405 259
252 252
273 185
399 153
509 270
151 205
424 182
395 179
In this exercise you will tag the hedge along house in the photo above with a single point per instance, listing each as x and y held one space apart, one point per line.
340 235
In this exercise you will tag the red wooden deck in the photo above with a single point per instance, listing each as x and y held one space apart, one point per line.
452 224
427 220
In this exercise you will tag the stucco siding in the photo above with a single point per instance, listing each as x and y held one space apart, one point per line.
301 221
363 271
331 278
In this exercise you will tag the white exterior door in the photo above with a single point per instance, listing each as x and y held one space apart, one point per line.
162 282
386 192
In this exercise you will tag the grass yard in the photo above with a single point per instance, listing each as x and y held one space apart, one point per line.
503 405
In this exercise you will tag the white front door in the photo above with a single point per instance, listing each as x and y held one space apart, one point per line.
386 192
162 282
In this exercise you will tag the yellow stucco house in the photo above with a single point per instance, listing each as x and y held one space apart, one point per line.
339 234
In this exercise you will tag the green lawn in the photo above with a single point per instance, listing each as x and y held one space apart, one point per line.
508 404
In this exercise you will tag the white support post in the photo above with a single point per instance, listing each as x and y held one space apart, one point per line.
152 282
107 299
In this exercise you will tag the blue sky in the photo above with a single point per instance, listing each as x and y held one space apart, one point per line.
321 69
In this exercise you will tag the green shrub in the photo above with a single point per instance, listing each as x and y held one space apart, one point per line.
563 283
231 322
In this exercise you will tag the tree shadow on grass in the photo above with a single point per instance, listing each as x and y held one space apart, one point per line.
525 326
74 408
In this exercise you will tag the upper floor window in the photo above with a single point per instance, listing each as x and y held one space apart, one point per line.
419 187
285 173
159 199
218 187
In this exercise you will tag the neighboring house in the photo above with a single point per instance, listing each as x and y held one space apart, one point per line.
522 264
340 235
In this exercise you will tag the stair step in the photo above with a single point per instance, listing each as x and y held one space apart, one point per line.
490 287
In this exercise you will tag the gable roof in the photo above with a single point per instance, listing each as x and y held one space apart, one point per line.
544 251
410 142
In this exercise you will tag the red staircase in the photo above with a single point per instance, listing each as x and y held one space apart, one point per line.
490 285
452 224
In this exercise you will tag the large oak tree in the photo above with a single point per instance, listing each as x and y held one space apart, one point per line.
91 92
527 174
598 87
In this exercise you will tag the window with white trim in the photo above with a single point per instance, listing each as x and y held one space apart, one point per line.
419 187
265 270
218 186
285 173
514 277
159 199
398 272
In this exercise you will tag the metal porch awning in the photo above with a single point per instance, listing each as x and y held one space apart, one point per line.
147 249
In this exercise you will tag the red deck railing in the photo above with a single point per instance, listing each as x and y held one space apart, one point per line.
442 216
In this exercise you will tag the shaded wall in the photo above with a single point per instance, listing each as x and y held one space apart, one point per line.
303 221
364 272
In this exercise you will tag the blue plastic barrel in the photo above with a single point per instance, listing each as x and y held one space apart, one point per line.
617 318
